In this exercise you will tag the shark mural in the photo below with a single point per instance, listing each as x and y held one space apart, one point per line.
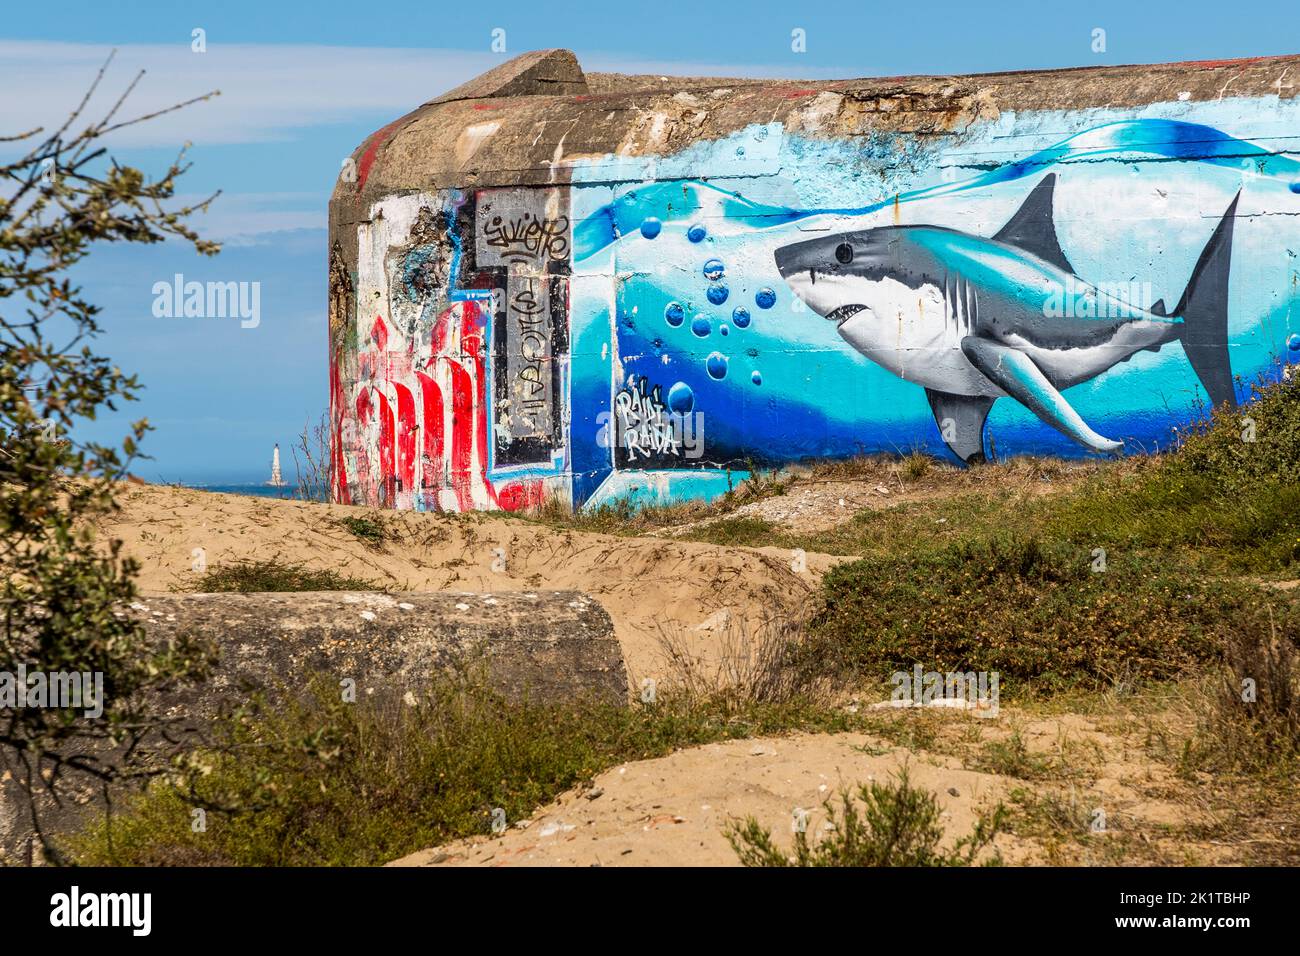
972 319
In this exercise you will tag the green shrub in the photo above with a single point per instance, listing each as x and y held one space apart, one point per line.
1032 612
1012 758
319 781
897 826
736 532
275 575
1234 501
373 531
1257 444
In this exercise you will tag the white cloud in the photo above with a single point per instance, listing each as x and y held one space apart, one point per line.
267 91
233 217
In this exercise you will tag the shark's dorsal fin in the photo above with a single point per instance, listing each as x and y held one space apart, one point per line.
1033 229
1158 307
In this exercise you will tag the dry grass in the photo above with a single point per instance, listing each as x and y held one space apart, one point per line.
916 471
746 665
1249 712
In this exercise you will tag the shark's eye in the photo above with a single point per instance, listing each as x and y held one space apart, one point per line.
844 253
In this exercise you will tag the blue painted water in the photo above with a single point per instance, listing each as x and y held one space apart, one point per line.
649 208
778 383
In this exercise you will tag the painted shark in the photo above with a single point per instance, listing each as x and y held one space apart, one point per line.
975 319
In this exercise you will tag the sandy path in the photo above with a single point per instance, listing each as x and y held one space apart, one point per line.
672 811
647 585
813 505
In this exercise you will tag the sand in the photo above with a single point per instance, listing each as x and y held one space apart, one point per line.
649 586
674 810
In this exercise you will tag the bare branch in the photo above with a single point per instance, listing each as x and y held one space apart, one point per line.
156 113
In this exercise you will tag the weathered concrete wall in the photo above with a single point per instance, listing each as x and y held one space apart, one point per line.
545 645
592 287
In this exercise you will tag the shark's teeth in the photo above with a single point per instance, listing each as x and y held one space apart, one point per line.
845 312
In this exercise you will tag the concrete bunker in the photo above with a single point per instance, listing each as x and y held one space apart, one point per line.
549 284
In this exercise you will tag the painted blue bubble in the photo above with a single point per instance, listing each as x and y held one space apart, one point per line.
1293 343
756 378
681 399
700 326
1295 187
674 314
723 330
696 233
713 269
716 363
741 317
765 298
717 294
651 227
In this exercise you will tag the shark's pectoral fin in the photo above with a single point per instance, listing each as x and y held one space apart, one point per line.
961 422
1017 375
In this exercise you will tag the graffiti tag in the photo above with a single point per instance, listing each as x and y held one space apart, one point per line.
528 238
645 429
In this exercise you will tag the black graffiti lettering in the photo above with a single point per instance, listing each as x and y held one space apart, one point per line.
527 238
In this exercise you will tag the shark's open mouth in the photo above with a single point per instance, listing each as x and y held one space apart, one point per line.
844 313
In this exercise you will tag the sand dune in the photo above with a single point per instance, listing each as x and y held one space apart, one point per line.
649 586
673 811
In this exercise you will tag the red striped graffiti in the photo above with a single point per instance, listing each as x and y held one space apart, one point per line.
411 431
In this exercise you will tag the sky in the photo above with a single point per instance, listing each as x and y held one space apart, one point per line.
303 83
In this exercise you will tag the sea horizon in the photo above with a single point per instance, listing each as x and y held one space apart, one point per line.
257 489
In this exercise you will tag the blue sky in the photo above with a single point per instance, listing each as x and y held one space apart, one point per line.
304 82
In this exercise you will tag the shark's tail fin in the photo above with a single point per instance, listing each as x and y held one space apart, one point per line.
1204 311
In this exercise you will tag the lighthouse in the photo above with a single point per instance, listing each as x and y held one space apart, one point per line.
276 480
